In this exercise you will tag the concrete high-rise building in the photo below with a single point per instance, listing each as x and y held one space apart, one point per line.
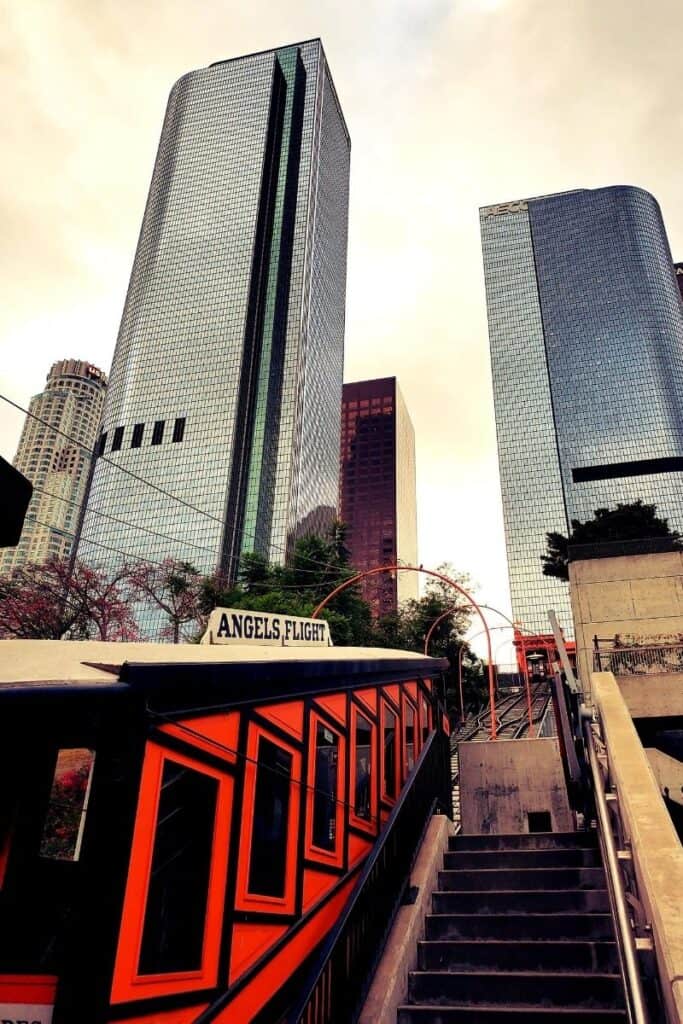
57 467
586 334
225 387
377 487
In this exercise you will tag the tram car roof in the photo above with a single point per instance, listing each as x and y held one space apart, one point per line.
172 673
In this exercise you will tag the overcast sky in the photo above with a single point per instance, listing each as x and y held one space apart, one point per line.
451 104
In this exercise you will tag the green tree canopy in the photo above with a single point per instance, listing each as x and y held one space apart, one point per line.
628 521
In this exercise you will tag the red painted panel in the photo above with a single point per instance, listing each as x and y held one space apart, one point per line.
394 692
289 716
39 989
412 690
216 734
445 725
257 993
369 698
186 1015
335 705
249 942
316 884
358 849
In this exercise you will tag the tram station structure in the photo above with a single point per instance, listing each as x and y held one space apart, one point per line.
284 832
186 823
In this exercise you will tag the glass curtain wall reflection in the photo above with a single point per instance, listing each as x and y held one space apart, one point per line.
226 380
586 334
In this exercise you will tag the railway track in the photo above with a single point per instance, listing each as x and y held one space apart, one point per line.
513 723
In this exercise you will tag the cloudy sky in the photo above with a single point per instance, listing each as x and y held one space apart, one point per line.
451 104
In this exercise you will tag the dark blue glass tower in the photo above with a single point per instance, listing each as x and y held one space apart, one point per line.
586 333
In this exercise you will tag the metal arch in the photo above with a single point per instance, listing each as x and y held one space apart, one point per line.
451 583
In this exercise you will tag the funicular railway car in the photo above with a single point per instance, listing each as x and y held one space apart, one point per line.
180 827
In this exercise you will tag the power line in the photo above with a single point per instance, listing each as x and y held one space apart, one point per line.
93 453
256 583
107 547
259 764
124 522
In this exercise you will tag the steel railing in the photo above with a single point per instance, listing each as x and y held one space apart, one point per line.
340 979
658 658
626 943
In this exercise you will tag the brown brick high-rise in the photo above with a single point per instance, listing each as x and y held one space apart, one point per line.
377 487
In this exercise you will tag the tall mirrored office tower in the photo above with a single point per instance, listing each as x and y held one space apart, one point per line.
225 388
586 334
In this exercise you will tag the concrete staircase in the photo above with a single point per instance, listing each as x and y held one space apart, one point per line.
520 931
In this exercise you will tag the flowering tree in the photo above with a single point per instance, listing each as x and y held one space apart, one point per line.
54 601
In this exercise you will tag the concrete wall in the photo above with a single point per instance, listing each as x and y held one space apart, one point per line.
637 595
668 773
502 781
390 984
657 851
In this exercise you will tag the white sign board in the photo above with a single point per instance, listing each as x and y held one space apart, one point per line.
23 1013
240 626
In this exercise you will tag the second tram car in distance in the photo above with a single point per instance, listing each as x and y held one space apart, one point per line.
180 827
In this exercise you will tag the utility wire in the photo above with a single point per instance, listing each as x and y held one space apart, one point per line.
93 453
257 583
124 522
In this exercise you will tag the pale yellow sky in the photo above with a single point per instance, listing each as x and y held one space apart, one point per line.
451 104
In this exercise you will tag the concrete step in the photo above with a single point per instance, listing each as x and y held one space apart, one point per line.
519 926
525 841
513 955
590 901
511 988
483 1014
562 858
466 880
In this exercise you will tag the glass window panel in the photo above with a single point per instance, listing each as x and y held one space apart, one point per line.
326 781
65 819
267 862
173 933
389 741
363 767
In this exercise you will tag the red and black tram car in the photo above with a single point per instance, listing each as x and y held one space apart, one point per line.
181 827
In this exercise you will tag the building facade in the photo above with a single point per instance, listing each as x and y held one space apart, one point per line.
377 488
226 380
58 435
586 334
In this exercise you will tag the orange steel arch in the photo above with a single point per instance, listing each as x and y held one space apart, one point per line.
451 583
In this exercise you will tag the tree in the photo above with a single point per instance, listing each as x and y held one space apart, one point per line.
408 628
53 601
178 590
318 564
628 521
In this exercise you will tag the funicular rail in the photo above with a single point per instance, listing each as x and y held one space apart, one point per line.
511 723
339 981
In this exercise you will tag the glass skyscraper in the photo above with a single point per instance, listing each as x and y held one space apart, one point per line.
225 388
586 334
377 490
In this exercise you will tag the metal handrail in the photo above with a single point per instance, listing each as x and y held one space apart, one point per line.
320 1000
628 957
